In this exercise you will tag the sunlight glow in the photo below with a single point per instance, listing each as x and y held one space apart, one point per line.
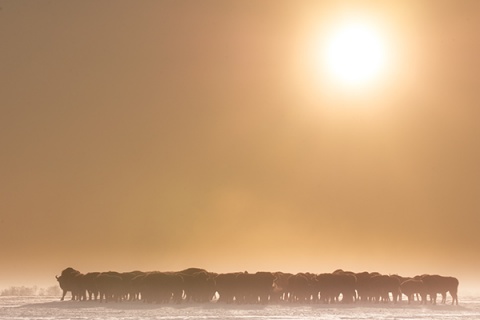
354 53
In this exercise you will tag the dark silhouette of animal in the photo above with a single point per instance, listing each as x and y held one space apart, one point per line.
197 285
412 287
300 288
381 286
332 285
364 291
90 282
129 291
254 287
436 284
71 280
227 287
280 290
110 286
162 287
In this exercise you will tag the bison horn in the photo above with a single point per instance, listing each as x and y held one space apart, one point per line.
56 277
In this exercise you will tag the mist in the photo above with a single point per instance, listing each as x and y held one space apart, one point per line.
168 135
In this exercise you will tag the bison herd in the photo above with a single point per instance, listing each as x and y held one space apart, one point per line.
199 285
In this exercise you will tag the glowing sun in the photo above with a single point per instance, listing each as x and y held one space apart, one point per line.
354 53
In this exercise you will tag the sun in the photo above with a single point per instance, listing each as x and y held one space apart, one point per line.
354 53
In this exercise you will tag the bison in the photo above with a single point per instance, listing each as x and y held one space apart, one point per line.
71 280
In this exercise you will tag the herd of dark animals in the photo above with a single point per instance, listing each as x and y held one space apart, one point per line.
199 285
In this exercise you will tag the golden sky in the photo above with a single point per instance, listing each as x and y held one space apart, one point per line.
160 135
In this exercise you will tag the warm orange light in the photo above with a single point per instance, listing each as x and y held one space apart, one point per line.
354 53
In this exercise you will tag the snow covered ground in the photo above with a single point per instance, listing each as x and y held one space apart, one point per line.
50 308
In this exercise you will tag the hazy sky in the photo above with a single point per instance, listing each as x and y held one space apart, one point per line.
160 135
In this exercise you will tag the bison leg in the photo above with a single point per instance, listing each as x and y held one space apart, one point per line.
444 297
409 297
454 298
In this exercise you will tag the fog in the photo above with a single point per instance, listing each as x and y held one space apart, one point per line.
166 135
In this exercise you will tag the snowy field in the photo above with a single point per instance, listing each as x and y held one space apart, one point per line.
50 308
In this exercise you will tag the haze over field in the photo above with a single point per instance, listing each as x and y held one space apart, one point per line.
160 135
